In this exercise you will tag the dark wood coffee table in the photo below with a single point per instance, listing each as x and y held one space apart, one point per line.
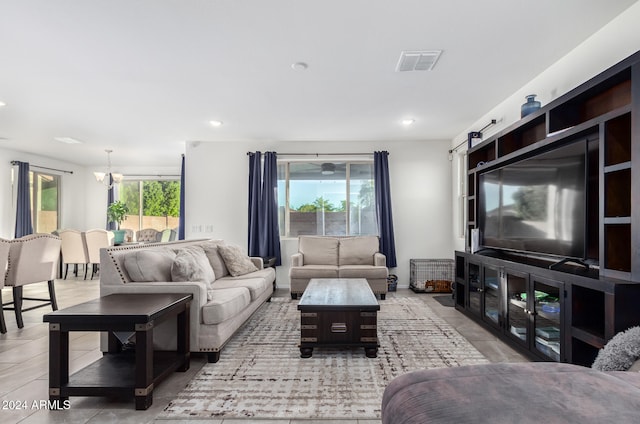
118 372
338 312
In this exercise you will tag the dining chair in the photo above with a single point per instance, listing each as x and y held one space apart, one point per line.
147 235
74 251
4 260
96 239
32 259
167 235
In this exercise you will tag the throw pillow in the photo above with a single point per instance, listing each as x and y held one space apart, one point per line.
215 259
620 353
236 260
151 265
191 264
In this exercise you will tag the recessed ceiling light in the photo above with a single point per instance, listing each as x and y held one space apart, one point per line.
67 140
2 104
408 122
299 66
215 123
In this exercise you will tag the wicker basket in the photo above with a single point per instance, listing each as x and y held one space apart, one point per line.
431 275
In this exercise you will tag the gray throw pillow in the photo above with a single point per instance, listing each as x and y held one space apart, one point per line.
149 264
215 259
191 264
236 260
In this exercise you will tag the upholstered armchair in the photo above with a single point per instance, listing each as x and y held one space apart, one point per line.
96 239
147 235
32 259
74 251
4 260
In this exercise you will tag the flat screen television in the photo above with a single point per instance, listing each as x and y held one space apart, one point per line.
538 204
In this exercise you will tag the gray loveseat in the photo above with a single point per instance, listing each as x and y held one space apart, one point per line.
338 257
221 302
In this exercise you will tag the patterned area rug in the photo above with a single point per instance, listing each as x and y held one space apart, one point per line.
261 375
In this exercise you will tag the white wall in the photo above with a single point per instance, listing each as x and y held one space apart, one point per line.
216 194
613 43
73 192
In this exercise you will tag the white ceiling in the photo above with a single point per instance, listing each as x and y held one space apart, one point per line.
141 77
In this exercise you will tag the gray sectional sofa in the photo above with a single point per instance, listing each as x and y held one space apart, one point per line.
338 257
227 286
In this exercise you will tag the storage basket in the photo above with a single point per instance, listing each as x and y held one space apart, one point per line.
431 275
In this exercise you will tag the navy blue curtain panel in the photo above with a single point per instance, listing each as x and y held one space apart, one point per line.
111 197
24 225
269 228
254 203
383 206
182 205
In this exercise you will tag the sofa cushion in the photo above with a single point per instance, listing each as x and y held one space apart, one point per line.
237 262
224 304
314 271
256 286
191 264
149 264
358 250
363 271
215 259
319 250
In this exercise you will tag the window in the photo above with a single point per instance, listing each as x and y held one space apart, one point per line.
44 192
152 204
326 198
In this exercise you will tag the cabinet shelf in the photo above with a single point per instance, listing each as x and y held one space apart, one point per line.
586 335
596 100
525 135
618 141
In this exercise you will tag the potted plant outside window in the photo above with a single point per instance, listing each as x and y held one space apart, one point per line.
116 212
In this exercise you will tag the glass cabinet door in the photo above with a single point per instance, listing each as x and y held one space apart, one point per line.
547 314
518 325
491 294
474 287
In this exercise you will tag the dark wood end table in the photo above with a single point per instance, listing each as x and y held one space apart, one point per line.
338 312
118 372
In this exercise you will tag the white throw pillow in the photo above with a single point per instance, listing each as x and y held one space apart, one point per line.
237 262
191 264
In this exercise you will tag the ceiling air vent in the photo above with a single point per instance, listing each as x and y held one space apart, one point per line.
418 60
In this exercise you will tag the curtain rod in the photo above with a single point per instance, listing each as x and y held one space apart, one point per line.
15 162
319 154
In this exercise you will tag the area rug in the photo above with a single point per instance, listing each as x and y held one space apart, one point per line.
261 375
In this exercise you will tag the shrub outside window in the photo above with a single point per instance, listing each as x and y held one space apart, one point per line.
152 204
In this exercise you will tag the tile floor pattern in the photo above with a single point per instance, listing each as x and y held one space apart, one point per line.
24 365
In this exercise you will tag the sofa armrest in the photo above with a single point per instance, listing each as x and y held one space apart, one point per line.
257 261
297 259
379 259
196 288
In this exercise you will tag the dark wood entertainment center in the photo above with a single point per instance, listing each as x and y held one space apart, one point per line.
565 312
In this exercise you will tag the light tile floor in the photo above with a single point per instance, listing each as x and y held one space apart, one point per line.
24 365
